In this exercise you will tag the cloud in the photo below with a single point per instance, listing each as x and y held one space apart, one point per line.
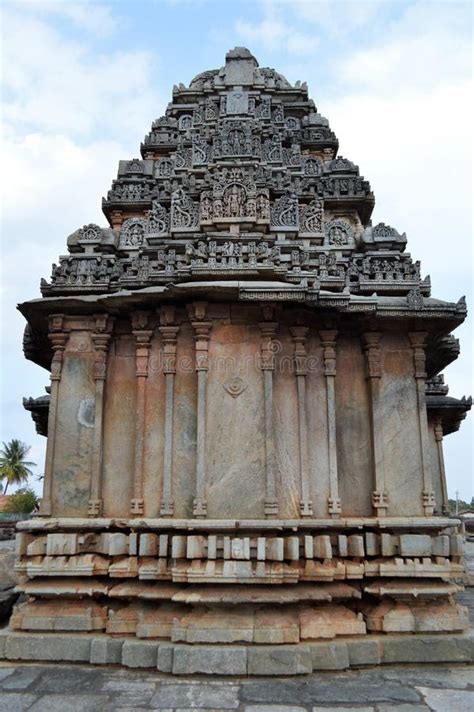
61 80
93 17
274 33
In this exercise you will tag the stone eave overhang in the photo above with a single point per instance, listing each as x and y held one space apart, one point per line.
452 411
437 317
216 525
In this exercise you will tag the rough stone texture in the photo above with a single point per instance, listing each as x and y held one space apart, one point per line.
284 660
246 411
209 660
139 654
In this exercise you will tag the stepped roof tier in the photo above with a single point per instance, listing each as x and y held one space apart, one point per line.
240 190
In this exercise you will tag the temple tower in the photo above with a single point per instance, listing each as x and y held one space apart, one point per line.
246 411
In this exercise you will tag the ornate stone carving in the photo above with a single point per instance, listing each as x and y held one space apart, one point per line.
311 166
158 220
164 168
132 234
339 233
235 386
90 233
237 102
284 212
184 212
311 217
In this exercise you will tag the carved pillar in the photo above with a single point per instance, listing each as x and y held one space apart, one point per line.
299 334
202 329
58 336
142 348
169 333
267 363
100 340
418 340
328 341
373 354
438 433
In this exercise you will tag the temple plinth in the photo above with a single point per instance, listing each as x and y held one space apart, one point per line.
246 412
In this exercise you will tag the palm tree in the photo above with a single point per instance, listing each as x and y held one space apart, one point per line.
13 467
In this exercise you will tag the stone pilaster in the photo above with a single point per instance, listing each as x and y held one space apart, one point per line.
202 330
418 341
100 339
58 335
299 334
169 333
438 433
373 354
267 364
142 334
328 342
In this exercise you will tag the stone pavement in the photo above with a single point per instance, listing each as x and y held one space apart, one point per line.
71 688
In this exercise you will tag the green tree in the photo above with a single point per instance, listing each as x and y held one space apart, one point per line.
23 501
14 469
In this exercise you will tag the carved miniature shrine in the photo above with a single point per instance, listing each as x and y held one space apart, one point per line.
246 412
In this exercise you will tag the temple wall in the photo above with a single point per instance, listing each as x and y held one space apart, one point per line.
235 436
235 453
317 427
435 468
287 430
75 418
119 427
354 450
401 430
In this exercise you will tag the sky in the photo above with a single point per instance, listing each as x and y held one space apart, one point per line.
82 81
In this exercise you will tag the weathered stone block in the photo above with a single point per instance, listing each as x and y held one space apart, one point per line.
322 548
61 544
355 545
426 649
37 547
133 544
364 652
163 540
195 548
212 546
308 547
329 621
456 545
274 549
372 544
240 548
214 626
276 627
148 545
329 656
389 544
281 660
178 547
415 545
209 660
139 654
291 548
342 545
114 544
105 651
59 615
53 646
165 657
440 545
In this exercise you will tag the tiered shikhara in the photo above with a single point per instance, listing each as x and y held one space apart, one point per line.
245 415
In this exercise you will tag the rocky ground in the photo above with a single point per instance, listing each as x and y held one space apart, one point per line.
78 688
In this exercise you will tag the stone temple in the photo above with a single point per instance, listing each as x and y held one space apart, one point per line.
246 412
